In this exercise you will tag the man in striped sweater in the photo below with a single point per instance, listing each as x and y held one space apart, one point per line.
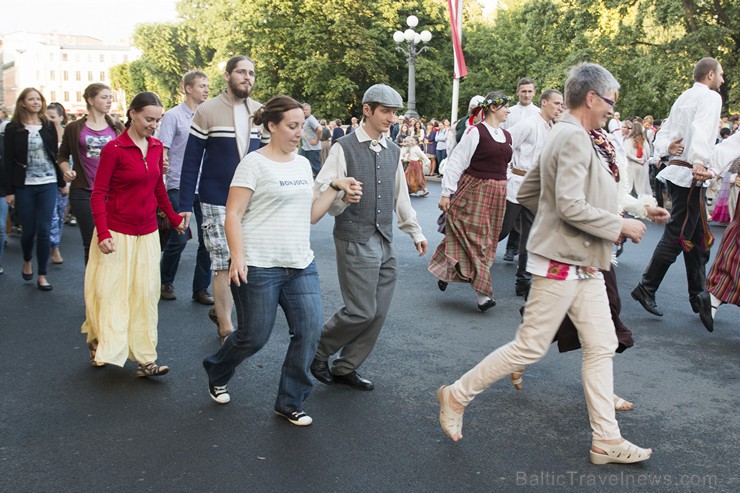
221 134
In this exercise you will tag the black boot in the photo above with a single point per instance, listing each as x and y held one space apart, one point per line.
644 293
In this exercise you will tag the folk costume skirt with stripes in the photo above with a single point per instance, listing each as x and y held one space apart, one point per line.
415 177
121 294
472 228
724 278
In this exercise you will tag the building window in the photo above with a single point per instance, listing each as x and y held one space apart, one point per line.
89 75
78 76
51 57
66 96
53 75
77 57
65 58
102 57
79 96
66 75
102 76
53 95
89 57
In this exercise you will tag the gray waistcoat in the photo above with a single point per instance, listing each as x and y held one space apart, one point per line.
377 172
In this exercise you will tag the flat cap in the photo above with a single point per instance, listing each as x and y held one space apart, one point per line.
383 94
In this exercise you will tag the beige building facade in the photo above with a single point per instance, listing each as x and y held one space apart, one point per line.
60 66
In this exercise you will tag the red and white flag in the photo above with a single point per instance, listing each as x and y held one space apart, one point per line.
455 9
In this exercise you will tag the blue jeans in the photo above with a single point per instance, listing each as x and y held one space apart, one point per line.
3 221
314 157
35 204
176 244
57 219
298 292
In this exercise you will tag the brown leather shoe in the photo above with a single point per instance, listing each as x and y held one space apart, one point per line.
203 297
168 292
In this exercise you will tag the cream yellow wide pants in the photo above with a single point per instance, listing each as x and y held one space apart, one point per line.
121 294
586 303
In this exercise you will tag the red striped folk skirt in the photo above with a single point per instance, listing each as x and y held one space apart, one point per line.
724 278
415 177
471 233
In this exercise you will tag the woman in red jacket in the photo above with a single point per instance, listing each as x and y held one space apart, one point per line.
122 277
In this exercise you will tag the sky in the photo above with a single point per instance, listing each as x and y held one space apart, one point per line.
109 20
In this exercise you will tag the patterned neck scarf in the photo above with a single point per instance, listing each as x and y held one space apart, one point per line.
604 147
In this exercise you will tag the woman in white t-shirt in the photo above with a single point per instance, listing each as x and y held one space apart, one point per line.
268 216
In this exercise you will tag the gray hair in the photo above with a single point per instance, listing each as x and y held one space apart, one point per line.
584 78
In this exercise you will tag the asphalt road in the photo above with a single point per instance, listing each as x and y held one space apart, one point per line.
68 427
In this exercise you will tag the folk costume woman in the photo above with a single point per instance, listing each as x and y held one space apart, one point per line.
474 201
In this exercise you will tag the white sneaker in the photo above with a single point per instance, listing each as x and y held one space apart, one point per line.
219 393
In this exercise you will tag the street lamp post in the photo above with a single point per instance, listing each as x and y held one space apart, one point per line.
411 39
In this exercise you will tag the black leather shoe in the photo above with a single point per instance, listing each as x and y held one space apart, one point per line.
695 303
321 372
442 285
487 305
647 301
354 380
522 290
203 297
704 302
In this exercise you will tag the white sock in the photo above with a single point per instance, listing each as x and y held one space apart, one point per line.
716 302
482 298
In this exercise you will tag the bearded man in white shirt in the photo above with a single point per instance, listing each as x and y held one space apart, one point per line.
688 137
527 139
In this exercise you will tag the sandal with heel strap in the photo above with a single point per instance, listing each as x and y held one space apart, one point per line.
622 453
450 420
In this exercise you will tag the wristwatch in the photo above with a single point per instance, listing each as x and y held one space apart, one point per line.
331 184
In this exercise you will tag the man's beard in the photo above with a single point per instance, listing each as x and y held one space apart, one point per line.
239 93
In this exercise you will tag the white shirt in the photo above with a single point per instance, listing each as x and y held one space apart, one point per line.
414 154
459 160
725 153
277 223
527 138
694 117
518 113
241 128
335 167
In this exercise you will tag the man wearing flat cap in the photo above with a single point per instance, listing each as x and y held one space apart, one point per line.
363 237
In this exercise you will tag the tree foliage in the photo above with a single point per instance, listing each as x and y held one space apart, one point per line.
329 53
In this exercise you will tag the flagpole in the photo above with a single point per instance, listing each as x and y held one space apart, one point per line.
456 80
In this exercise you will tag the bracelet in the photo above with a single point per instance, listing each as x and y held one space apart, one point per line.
331 184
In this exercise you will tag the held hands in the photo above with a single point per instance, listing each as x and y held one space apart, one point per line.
64 191
701 173
675 148
444 204
165 164
633 229
237 271
107 246
181 227
351 187
186 223
10 199
70 175
657 214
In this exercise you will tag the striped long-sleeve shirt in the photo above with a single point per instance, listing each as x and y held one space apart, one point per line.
213 142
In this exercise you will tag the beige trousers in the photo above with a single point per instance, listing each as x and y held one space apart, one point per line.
121 294
586 303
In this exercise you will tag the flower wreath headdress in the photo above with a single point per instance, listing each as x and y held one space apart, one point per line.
499 101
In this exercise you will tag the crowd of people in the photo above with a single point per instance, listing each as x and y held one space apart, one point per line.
567 182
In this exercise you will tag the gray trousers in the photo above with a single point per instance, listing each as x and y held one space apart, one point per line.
367 278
